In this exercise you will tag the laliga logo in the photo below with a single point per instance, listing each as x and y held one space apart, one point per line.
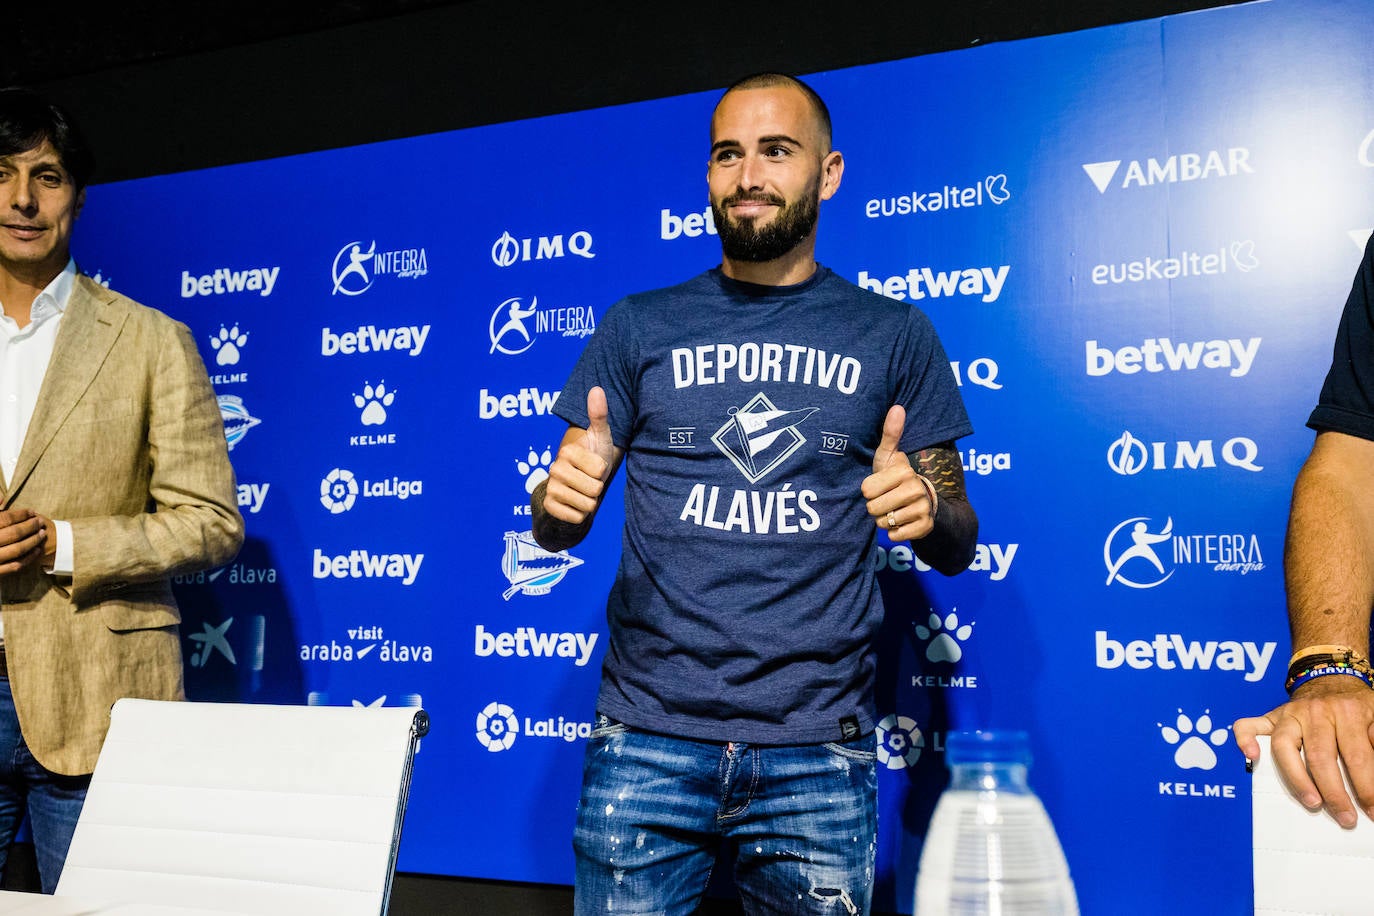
338 491
1365 157
1141 548
497 727
352 278
900 742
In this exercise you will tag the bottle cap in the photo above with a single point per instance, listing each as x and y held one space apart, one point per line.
988 747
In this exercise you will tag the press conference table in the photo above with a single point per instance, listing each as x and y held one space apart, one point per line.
18 902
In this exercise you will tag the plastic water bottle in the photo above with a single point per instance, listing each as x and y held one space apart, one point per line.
991 849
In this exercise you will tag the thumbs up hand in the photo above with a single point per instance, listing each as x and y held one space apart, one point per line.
577 479
901 501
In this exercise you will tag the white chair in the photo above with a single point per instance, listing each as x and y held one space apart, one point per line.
1304 863
246 808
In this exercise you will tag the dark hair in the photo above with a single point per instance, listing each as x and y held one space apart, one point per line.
770 80
27 119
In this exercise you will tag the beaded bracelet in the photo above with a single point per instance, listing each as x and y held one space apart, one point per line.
1314 673
1321 656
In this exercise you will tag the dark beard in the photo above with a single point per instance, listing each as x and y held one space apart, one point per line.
741 241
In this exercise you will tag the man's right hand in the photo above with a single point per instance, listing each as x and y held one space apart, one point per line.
23 539
578 477
1328 718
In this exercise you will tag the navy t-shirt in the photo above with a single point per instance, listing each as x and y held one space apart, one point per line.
745 604
1346 403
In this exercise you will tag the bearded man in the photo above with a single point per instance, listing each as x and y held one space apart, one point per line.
771 417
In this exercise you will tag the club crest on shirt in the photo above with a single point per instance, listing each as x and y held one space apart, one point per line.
759 436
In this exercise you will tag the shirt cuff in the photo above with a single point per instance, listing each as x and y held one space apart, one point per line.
62 562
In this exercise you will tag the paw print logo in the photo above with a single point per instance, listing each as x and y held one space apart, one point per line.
228 344
534 468
944 637
1191 739
373 402
900 742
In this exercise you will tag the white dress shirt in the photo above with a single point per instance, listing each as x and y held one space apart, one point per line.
24 356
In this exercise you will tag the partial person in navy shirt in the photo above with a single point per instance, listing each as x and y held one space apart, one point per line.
771 418
1329 580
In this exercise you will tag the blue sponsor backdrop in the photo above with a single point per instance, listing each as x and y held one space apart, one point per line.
1134 241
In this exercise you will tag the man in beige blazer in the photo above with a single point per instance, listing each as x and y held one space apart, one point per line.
115 477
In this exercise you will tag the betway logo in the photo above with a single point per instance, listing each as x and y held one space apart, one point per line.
1179 167
251 496
922 283
371 339
994 559
670 225
227 280
528 402
360 564
527 642
1168 651
1233 355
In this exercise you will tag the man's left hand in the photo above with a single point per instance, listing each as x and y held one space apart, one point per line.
897 499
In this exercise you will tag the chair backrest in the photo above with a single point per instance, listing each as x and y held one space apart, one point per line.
1305 864
246 808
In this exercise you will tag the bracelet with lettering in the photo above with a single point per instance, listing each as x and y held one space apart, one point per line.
1314 673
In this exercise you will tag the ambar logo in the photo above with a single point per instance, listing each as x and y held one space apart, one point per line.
1175 168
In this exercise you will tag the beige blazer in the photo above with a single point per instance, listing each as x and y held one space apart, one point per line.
126 443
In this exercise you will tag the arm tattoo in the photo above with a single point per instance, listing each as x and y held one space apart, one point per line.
940 465
551 533
951 545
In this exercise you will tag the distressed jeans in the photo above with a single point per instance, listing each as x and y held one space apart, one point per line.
800 822
51 801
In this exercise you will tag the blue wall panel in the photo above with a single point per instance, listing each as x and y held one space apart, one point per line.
1161 221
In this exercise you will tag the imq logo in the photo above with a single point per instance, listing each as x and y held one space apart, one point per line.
1129 456
509 250
1175 168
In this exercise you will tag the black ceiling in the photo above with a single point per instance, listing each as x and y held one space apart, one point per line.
46 42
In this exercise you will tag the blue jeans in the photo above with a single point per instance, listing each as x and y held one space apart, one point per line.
52 801
799 821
